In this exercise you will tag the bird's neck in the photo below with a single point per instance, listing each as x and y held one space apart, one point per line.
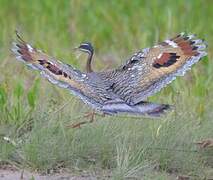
89 63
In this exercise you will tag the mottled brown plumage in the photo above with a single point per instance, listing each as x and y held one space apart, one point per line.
151 69
124 89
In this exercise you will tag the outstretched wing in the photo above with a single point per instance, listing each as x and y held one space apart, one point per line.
83 85
54 70
151 69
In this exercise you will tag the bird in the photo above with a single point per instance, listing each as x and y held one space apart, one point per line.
87 48
125 89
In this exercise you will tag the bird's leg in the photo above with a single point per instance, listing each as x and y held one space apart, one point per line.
90 115
77 125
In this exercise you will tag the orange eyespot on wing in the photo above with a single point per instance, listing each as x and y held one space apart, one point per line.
157 66
165 60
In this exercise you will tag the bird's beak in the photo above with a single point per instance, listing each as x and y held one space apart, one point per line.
76 48
77 52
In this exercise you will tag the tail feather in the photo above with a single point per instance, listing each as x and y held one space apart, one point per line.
142 108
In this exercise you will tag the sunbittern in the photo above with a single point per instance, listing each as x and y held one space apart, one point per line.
87 48
126 88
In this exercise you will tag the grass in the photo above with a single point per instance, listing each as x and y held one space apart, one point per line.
34 113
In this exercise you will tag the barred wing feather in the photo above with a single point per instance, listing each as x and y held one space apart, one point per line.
63 75
151 69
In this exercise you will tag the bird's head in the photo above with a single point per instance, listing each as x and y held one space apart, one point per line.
86 47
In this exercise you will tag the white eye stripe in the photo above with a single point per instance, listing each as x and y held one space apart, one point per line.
84 44
85 50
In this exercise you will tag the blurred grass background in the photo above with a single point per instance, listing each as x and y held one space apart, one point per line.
34 113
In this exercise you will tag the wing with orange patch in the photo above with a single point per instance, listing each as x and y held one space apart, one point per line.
151 69
54 70
165 60
62 74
